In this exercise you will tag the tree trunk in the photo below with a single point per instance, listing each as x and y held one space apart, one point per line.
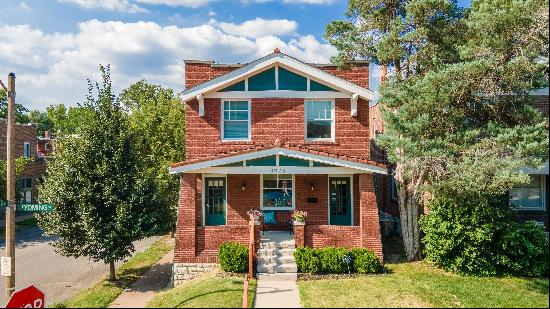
112 275
408 212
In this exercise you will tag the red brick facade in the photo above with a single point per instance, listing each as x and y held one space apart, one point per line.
24 133
274 119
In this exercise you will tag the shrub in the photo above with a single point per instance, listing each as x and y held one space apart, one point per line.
233 257
307 260
365 261
482 237
332 260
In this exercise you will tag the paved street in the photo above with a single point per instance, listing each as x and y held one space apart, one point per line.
57 276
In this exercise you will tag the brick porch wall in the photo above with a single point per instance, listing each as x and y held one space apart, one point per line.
199 244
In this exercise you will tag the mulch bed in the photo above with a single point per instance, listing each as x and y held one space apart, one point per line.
308 277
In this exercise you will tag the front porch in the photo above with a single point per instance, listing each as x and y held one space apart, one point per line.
215 196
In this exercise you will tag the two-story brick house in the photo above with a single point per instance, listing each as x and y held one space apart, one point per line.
25 146
276 135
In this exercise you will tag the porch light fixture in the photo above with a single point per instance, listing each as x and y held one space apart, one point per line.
312 186
243 186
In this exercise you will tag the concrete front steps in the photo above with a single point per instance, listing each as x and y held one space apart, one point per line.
276 257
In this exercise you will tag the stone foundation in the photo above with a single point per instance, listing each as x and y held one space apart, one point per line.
186 271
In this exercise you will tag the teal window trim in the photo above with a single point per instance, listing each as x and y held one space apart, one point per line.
332 119
223 116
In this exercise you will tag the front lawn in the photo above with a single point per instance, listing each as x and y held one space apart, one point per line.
208 291
422 285
104 292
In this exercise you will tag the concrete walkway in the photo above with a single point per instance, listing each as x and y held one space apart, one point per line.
139 294
277 294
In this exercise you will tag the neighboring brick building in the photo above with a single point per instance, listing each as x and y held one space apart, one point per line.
25 146
532 199
45 145
276 135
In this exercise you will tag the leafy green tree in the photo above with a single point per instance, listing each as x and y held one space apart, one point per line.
97 185
408 38
20 164
41 120
20 110
157 116
68 120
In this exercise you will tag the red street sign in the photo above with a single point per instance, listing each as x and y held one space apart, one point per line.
29 297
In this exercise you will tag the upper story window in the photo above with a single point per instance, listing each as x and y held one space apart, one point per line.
26 150
320 120
235 120
529 196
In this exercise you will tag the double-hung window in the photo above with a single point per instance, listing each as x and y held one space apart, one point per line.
277 192
529 196
25 189
27 150
236 120
320 120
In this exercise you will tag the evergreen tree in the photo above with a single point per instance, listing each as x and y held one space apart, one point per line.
97 185
408 38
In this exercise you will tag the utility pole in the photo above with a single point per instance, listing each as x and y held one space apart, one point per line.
10 185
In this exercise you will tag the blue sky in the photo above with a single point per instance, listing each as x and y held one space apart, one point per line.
53 46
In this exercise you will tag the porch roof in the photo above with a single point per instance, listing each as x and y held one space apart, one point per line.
289 150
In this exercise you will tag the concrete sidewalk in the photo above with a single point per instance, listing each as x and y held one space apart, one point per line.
139 294
277 294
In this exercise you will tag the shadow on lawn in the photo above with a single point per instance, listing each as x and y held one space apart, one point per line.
205 294
538 285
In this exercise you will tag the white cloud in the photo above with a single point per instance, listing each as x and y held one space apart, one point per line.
52 68
111 5
259 27
291 1
24 6
185 3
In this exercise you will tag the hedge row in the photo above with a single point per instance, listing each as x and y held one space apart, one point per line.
331 260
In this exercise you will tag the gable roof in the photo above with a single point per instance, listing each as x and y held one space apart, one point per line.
289 150
286 61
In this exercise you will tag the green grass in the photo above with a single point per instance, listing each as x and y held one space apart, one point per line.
422 285
104 292
209 291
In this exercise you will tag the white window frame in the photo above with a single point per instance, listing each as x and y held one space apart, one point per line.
203 196
26 189
222 116
333 123
27 145
277 208
351 195
542 196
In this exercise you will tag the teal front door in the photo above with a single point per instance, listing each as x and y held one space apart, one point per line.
340 200
214 200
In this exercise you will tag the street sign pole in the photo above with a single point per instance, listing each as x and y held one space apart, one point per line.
10 185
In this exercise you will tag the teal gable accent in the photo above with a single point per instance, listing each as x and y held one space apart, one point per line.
315 86
235 87
262 81
267 161
318 164
286 161
291 81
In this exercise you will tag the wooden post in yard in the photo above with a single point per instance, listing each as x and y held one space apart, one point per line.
10 185
250 262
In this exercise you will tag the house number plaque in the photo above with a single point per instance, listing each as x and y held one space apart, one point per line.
278 170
